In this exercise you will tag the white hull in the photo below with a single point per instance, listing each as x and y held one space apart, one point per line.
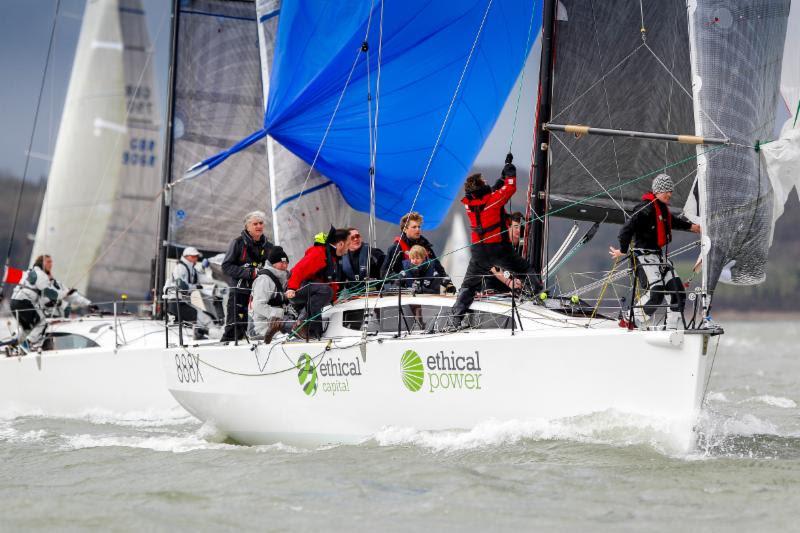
547 373
73 382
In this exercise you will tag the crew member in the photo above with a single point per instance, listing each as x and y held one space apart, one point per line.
355 267
247 254
491 246
269 298
649 229
313 283
515 232
184 279
420 274
411 235
39 295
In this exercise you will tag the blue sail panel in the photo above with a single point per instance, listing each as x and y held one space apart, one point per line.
425 49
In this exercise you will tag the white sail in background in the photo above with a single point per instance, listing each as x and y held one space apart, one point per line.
97 220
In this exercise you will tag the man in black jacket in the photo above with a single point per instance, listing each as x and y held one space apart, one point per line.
246 255
354 263
650 230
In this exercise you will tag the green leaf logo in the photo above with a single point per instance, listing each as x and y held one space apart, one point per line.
307 374
413 371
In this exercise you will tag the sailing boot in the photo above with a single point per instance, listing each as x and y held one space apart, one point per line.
273 327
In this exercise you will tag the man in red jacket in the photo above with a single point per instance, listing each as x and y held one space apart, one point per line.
313 282
490 241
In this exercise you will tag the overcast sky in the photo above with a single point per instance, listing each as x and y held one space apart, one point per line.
25 28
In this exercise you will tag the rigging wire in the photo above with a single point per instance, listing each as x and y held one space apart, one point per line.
452 103
33 132
522 75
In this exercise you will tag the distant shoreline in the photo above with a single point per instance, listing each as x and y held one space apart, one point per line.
755 315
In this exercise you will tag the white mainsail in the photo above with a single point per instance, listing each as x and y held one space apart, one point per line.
98 212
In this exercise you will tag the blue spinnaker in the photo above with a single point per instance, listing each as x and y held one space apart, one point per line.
426 44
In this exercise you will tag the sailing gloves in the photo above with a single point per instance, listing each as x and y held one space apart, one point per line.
448 286
509 170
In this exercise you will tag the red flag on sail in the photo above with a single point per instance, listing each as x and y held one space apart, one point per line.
12 275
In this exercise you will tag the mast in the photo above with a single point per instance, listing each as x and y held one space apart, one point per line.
163 230
538 200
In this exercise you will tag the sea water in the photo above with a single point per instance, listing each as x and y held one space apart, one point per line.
606 471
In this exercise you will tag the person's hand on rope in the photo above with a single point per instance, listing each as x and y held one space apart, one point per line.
509 171
290 294
616 253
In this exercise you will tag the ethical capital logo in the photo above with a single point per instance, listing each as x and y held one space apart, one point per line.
413 371
307 374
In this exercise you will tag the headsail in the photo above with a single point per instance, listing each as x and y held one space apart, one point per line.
736 62
98 212
218 98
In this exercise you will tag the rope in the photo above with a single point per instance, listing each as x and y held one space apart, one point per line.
522 76
603 291
33 132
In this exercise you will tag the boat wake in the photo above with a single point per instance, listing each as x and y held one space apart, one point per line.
718 435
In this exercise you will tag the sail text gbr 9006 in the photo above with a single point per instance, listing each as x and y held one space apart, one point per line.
588 130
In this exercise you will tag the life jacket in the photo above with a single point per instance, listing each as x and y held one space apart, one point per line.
191 273
277 299
664 231
254 253
347 265
487 217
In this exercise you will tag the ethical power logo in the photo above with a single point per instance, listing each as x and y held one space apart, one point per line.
413 371
443 371
307 374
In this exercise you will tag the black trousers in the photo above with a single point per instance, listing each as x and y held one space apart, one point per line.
26 314
309 301
484 257
187 312
236 314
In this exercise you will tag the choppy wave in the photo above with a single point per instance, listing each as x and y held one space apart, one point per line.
775 401
136 419
607 427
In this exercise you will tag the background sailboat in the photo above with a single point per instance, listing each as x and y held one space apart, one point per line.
98 212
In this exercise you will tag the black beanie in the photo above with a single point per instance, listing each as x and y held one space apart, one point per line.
276 255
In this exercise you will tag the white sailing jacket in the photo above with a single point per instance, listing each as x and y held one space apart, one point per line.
186 277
